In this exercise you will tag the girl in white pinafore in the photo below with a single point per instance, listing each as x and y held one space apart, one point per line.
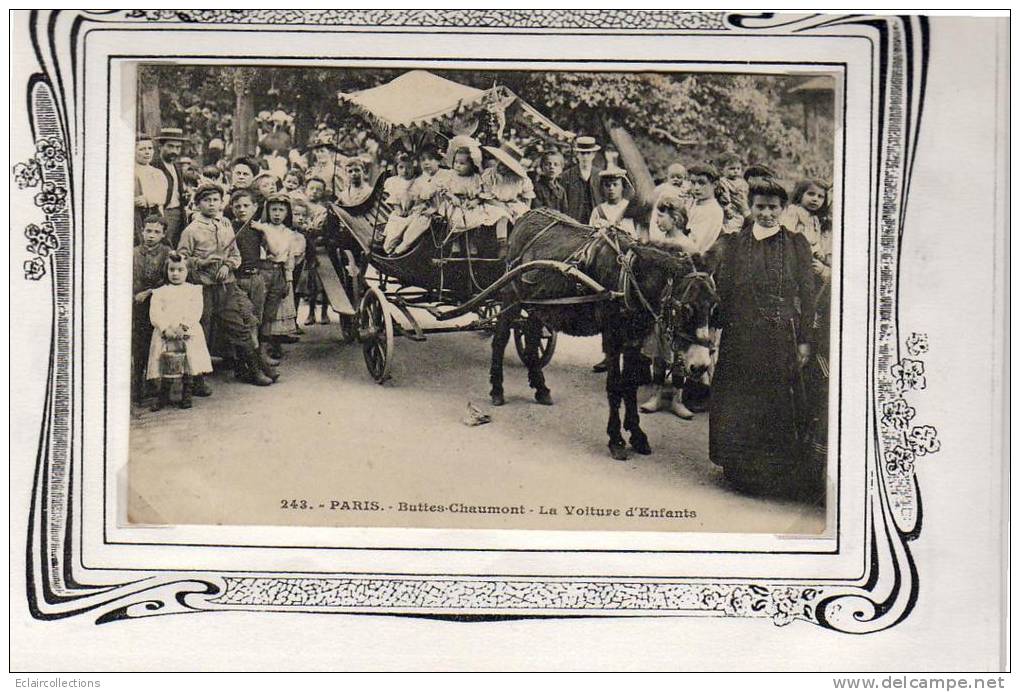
175 311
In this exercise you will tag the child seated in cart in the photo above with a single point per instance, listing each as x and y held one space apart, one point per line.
403 230
506 187
460 199
507 190
399 197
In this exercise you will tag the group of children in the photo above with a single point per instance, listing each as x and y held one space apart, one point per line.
230 287
466 193
251 248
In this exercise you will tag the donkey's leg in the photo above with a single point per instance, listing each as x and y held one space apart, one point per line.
614 392
536 378
500 338
632 366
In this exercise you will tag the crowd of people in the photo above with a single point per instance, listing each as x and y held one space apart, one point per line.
226 249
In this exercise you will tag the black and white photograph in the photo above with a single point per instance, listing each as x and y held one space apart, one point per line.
657 247
509 340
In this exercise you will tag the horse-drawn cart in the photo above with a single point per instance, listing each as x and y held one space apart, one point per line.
381 296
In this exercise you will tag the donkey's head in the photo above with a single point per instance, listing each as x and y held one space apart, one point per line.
690 322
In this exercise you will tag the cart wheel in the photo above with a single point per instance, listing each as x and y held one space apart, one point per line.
375 330
546 345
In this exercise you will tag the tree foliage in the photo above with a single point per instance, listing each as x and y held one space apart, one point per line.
690 116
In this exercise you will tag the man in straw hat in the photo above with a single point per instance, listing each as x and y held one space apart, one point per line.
581 180
171 143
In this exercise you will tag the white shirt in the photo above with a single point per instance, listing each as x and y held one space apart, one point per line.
152 183
705 221
278 240
175 198
607 214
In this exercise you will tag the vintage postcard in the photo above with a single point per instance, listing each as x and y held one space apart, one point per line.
478 316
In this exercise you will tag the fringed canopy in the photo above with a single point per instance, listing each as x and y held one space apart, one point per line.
420 99
413 100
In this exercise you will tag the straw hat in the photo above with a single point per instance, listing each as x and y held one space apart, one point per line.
614 172
510 156
585 143
171 134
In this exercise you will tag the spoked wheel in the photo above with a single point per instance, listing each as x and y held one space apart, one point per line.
546 345
353 280
375 331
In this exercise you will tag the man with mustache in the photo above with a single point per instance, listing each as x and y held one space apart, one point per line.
171 142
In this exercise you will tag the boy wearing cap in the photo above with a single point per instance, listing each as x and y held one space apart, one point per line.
209 245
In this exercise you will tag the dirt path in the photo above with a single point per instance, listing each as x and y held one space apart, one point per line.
326 433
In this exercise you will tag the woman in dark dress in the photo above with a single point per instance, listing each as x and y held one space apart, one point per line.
767 294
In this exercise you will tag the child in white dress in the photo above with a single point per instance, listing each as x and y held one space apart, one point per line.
507 187
178 349
397 189
422 191
459 198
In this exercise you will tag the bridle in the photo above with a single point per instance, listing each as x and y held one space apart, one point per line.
671 304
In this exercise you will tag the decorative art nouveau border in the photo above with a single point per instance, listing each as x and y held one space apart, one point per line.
889 591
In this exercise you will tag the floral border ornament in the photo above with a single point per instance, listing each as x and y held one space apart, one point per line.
59 587
45 170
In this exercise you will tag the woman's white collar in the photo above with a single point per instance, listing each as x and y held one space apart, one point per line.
761 233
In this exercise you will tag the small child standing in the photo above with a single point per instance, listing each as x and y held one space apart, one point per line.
178 349
357 189
284 326
549 191
705 217
275 267
149 265
309 285
734 188
615 211
807 214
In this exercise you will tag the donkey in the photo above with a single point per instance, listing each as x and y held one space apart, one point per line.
653 290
